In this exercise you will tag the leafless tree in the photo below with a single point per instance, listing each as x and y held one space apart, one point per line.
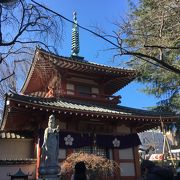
24 25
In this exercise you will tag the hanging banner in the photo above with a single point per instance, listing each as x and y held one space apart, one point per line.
119 142
74 140
68 140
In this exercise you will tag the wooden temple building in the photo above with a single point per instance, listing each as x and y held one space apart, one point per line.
81 96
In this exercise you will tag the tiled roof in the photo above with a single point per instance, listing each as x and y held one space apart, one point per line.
76 105
45 63
81 60
142 119
68 104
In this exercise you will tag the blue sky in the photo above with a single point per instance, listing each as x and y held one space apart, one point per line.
101 13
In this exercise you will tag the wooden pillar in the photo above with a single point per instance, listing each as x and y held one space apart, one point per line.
137 163
116 158
136 159
69 151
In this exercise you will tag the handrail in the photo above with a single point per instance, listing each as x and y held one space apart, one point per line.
92 96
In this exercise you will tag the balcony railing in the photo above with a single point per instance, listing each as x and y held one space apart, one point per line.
89 96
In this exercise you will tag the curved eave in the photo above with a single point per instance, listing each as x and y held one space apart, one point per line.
44 64
120 77
116 84
29 75
85 66
70 108
39 74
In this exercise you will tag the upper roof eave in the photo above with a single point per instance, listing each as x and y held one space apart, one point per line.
126 74
80 61
31 69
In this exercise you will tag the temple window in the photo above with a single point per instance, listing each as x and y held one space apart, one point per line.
126 154
94 150
126 165
94 91
62 154
127 169
83 90
70 89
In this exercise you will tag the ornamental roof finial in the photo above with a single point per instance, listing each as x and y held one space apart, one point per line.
75 37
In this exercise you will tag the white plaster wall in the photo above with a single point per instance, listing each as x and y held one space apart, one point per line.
127 169
62 154
16 149
12 169
126 154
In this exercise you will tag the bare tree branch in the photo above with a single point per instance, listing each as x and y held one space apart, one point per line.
164 64
22 28
123 51
3 79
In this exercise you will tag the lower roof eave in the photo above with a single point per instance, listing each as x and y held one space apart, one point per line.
98 114
61 106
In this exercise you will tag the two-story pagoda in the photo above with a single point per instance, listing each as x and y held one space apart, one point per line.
80 94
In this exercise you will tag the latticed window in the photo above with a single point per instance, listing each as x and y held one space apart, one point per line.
83 90
70 89
94 150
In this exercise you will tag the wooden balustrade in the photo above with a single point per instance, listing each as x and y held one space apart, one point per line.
89 96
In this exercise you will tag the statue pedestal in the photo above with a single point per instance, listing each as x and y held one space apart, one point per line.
49 173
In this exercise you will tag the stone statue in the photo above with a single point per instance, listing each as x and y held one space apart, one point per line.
50 149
